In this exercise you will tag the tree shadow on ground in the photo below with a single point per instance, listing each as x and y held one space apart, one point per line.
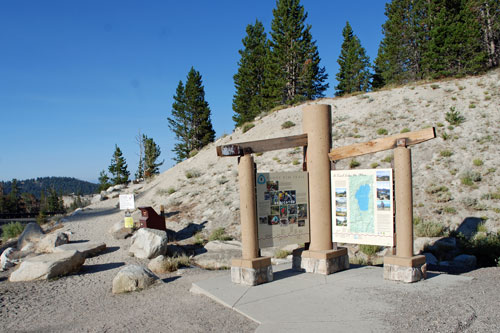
109 250
170 279
92 213
3 278
90 269
189 230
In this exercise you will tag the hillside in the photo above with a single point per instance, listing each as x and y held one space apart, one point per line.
455 176
65 185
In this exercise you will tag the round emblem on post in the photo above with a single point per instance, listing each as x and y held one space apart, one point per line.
261 179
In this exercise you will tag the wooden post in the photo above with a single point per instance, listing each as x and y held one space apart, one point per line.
246 170
404 200
316 123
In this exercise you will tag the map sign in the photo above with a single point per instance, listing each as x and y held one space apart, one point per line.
127 201
282 208
362 207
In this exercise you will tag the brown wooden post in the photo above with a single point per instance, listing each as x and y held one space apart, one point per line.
246 171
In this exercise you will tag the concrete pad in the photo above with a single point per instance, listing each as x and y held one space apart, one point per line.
350 300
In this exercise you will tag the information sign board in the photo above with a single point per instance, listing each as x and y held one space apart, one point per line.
362 207
282 208
127 201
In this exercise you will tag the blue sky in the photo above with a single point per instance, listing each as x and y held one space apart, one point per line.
78 77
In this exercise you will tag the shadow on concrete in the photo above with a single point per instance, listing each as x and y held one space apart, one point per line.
170 279
285 274
90 269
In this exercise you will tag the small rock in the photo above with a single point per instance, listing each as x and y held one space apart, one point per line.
47 266
118 230
32 233
50 241
149 243
6 260
133 278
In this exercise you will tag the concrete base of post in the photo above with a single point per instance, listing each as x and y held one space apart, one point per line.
251 272
404 269
320 262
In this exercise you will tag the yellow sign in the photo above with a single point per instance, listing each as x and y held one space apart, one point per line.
129 222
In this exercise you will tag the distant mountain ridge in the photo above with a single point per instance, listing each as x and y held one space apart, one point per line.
64 185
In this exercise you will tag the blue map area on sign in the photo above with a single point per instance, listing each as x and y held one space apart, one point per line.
363 197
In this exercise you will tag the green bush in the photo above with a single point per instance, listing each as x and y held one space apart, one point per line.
382 131
374 165
470 177
369 249
405 130
446 153
486 249
192 174
427 228
11 230
388 159
353 164
171 190
282 254
454 117
247 127
287 124
220 235
477 162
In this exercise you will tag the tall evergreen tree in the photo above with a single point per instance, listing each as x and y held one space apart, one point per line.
103 181
14 197
190 120
151 154
292 70
354 74
180 125
118 167
140 169
454 45
248 100
487 14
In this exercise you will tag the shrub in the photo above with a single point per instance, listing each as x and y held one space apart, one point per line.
219 234
193 153
449 210
454 117
405 130
445 136
11 230
287 124
295 162
374 165
477 162
174 263
369 249
353 164
171 190
247 127
192 174
388 159
434 86
282 254
469 177
428 229
472 106
486 249
446 153
481 227
439 124
382 131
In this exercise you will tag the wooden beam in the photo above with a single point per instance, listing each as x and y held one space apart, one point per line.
358 149
261 146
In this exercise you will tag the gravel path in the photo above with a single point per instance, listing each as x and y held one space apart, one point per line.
84 303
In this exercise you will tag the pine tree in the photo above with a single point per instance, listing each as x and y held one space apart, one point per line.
454 46
3 201
118 168
14 197
151 154
180 125
190 120
354 74
248 100
292 69
103 181
140 169
487 13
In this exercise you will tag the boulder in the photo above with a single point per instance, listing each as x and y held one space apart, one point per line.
50 241
88 249
47 266
218 254
118 230
159 265
133 278
31 233
148 243
466 261
6 259
430 259
96 198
